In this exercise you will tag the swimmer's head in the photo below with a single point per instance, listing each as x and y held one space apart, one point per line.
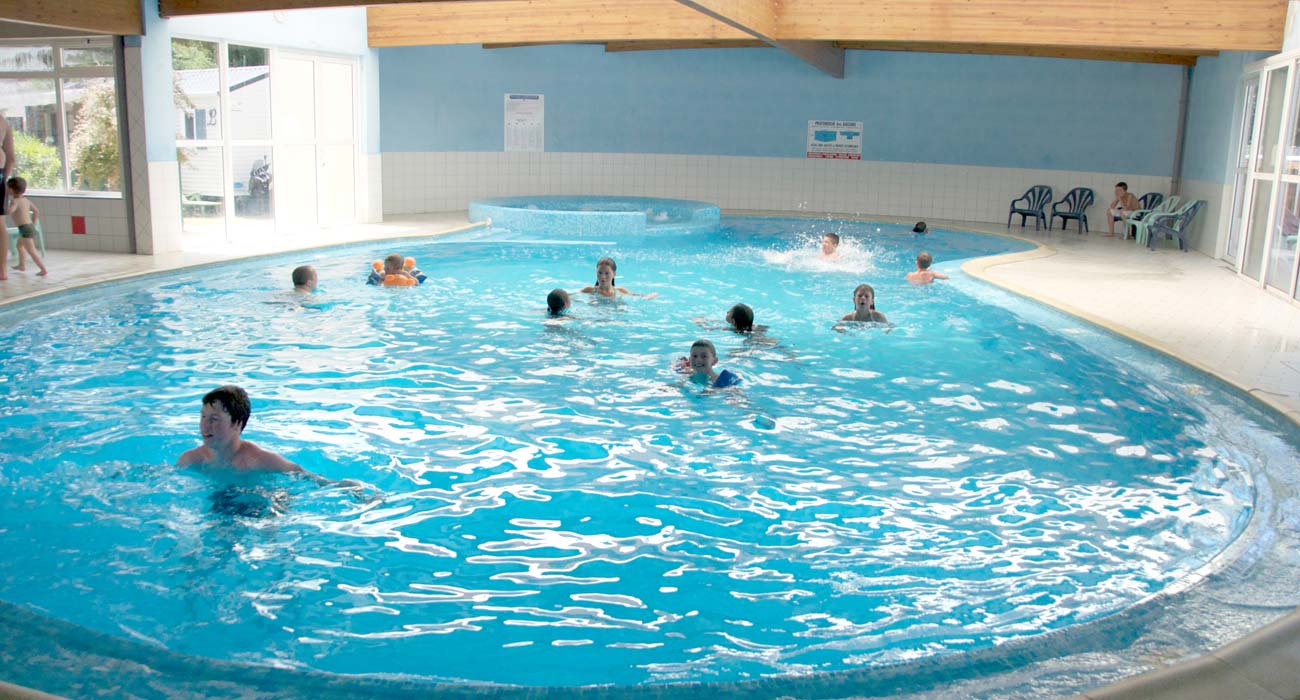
605 273
393 263
408 263
830 242
227 401
923 260
703 356
304 277
864 296
557 302
607 261
919 227
741 318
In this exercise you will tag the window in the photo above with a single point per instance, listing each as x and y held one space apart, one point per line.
60 98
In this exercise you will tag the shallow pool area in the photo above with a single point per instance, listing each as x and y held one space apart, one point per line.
559 508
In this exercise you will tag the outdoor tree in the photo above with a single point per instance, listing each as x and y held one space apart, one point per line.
93 144
37 162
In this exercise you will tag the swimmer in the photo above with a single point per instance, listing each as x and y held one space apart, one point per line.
700 364
605 283
923 274
225 414
395 274
864 306
919 228
557 303
741 318
830 246
304 279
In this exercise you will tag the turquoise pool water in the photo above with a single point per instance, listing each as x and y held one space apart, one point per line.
556 506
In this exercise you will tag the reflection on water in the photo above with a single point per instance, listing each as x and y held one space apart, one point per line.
559 507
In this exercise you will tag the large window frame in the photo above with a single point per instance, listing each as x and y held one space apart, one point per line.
59 73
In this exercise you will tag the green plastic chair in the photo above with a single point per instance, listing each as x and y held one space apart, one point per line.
1142 217
13 240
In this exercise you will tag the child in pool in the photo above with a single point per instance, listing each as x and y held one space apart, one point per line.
864 306
557 303
830 247
700 364
304 279
395 274
923 274
605 283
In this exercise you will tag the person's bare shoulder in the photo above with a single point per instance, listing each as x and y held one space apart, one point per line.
189 458
847 317
266 460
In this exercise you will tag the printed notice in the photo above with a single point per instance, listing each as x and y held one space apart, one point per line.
834 139
525 122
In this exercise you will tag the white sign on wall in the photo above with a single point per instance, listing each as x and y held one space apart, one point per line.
525 122
834 139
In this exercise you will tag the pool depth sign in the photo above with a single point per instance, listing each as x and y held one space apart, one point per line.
834 139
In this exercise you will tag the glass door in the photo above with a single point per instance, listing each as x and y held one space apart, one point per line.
1261 250
1241 173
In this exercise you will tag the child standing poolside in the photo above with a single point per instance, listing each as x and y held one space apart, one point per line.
24 215
701 362
605 283
864 306
923 274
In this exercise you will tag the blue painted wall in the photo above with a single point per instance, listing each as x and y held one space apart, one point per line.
1211 108
932 108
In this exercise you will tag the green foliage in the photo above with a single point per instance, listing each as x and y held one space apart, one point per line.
188 54
37 162
93 147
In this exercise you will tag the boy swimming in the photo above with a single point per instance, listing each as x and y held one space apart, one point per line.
557 303
923 274
701 366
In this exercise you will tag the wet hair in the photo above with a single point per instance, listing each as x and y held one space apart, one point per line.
923 260
302 275
557 302
919 227
233 400
17 184
394 261
857 290
705 344
1123 185
613 266
835 237
742 318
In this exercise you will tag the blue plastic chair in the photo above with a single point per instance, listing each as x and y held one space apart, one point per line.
1035 199
1172 225
13 240
1076 205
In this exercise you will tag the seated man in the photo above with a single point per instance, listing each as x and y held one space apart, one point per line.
221 424
1122 208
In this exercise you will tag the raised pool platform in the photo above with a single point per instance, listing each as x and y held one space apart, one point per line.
592 216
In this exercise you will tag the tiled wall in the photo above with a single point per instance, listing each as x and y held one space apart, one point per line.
447 181
105 223
1211 224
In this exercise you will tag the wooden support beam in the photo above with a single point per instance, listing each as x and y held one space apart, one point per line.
1177 58
761 18
1157 28
622 46
89 16
1219 25
524 21
181 8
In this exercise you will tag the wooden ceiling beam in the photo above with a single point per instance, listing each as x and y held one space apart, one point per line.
92 17
524 21
1219 25
761 18
1156 28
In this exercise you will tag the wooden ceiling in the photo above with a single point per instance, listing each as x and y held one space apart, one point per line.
815 31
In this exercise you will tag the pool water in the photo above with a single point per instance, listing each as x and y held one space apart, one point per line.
551 503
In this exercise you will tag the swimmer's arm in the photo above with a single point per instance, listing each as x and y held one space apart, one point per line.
625 290
587 290
940 276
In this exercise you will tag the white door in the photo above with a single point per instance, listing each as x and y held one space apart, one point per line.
335 143
293 122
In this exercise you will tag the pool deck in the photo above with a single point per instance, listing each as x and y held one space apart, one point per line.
1187 305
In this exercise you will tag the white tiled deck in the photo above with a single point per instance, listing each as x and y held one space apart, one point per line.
1185 304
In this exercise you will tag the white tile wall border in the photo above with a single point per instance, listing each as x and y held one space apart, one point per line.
419 182
106 229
